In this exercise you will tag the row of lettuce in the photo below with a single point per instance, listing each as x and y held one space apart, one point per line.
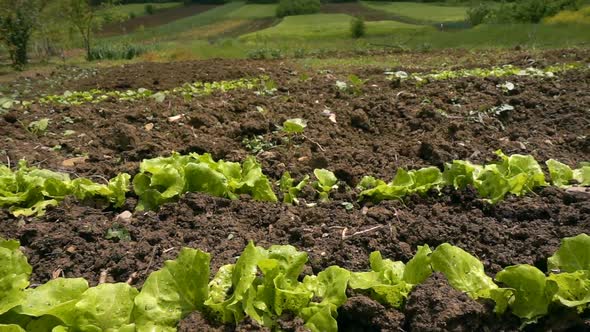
28 191
264 284
264 85
498 71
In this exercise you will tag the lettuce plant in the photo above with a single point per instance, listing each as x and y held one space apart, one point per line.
404 183
266 283
164 179
561 174
326 182
289 189
27 191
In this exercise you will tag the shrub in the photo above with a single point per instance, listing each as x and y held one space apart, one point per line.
297 7
16 26
477 15
530 11
581 16
357 27
150 9
116 52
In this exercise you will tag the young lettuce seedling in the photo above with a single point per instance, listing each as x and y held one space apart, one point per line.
325 183
291 191
292 127
38 127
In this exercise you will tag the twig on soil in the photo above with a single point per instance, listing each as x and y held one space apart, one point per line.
314 142
38 164
57 273
99 177
103 277
344 236
132 278
167 250
8 161
147 269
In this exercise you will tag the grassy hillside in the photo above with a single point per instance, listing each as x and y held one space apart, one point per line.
254 11
424 12
136 9
323 26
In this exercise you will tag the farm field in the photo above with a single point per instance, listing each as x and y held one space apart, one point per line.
424 12
150 127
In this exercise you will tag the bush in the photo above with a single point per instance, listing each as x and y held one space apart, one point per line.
297 7
530 11
150 9
357 27
581 16
477 15
116 52
16 27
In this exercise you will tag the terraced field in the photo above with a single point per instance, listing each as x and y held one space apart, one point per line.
375 198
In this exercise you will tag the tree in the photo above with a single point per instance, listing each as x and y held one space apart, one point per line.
17 21
82 15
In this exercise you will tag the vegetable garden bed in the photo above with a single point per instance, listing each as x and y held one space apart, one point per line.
354 128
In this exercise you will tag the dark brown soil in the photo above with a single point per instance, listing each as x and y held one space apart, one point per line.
376 132
148 21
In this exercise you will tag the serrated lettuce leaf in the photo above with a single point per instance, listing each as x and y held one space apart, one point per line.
329 285
173 292
573 289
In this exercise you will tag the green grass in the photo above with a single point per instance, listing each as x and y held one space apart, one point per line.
322 26
170 30
425 12
137 9
254 11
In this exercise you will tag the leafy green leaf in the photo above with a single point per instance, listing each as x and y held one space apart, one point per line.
561 174
171 293
573 255
532 293
573 289
460 174
326 182
330 286
291 191
582 175
106 306
418 268
294 126
57 297
464 272
14 275
230 309
11 328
